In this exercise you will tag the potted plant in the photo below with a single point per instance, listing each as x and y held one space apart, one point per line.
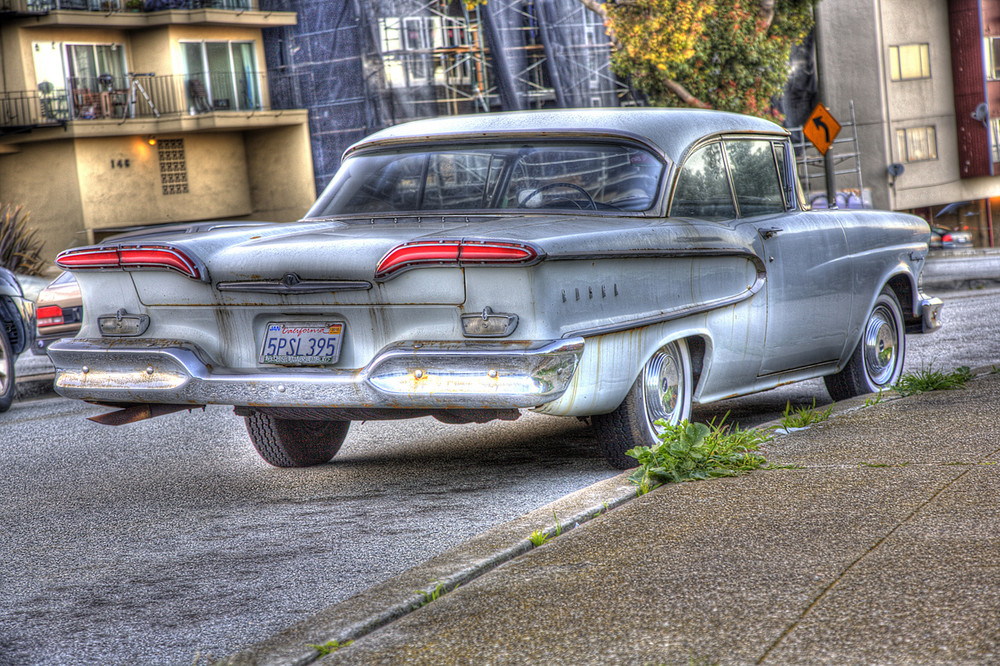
134 5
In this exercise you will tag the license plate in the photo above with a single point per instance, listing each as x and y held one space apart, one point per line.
310 343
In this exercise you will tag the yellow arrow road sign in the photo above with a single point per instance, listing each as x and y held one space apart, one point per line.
821 128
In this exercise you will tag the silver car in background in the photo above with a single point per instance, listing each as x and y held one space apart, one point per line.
617 264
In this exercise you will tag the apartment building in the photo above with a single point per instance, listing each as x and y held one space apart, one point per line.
924 78
118 113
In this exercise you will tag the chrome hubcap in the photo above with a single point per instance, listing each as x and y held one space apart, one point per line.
663 387
880 351
4 373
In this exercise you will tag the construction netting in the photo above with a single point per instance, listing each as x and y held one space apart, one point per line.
360 66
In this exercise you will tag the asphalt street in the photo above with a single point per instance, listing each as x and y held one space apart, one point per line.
170 540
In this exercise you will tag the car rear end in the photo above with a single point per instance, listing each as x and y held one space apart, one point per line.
317 316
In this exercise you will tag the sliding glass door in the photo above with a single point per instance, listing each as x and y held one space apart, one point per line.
221 76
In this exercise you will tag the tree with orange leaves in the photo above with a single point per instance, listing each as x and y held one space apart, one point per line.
730 55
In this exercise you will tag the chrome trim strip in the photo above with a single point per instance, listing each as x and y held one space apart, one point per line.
303 287
662 253
479 375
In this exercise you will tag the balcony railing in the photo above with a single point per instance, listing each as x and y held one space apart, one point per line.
139 96
106 6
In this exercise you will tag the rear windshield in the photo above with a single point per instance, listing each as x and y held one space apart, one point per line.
560 176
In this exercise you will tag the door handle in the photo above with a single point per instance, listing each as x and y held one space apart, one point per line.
769 232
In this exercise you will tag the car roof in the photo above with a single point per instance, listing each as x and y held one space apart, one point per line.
669 131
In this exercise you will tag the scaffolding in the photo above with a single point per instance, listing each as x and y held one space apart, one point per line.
436 57
811 165
360 66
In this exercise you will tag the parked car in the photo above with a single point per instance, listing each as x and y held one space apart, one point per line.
59 312
17 331
948 239
617 264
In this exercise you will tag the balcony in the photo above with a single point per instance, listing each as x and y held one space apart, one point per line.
116 100
35 7
148 13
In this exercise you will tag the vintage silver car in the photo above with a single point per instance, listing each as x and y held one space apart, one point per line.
617 264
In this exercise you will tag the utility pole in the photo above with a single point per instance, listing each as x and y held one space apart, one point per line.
828 163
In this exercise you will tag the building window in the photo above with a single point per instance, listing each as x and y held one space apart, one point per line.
995 138
407 44
221 76
991 51
173 166
909 61
80 66
917 144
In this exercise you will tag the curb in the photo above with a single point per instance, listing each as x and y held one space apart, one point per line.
34 386
395 598
387 602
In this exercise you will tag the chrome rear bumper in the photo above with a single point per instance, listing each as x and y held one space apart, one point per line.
930 309
407 375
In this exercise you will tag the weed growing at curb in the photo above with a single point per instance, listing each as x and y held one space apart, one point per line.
694 451
929 379
772 466
869 402
538 538
329 647
803 416
541 537
433 595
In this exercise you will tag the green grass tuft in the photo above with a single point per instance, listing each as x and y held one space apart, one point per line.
803 416
329 647
929 379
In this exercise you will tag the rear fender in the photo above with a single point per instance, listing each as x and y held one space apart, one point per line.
611 363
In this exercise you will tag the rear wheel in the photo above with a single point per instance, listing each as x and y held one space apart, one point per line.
877 362
662 391
6 372
295 443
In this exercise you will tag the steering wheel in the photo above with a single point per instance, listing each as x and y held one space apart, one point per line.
579 189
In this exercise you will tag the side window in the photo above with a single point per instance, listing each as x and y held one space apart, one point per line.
755 177
702 189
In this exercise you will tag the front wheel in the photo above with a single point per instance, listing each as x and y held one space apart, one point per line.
7 360
662 391
877 362
294 443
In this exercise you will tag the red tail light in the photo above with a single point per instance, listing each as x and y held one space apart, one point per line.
946 238
416 254
132 257
49 315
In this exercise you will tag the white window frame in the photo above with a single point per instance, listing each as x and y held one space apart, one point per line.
917 144
405 65
991 56
923 54
203 43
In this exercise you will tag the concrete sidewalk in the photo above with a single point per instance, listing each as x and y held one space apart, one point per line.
883 546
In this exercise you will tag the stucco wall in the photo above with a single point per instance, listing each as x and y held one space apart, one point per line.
42 178
280 172
115 196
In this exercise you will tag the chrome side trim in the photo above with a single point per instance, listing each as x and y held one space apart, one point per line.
662 253
477 375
